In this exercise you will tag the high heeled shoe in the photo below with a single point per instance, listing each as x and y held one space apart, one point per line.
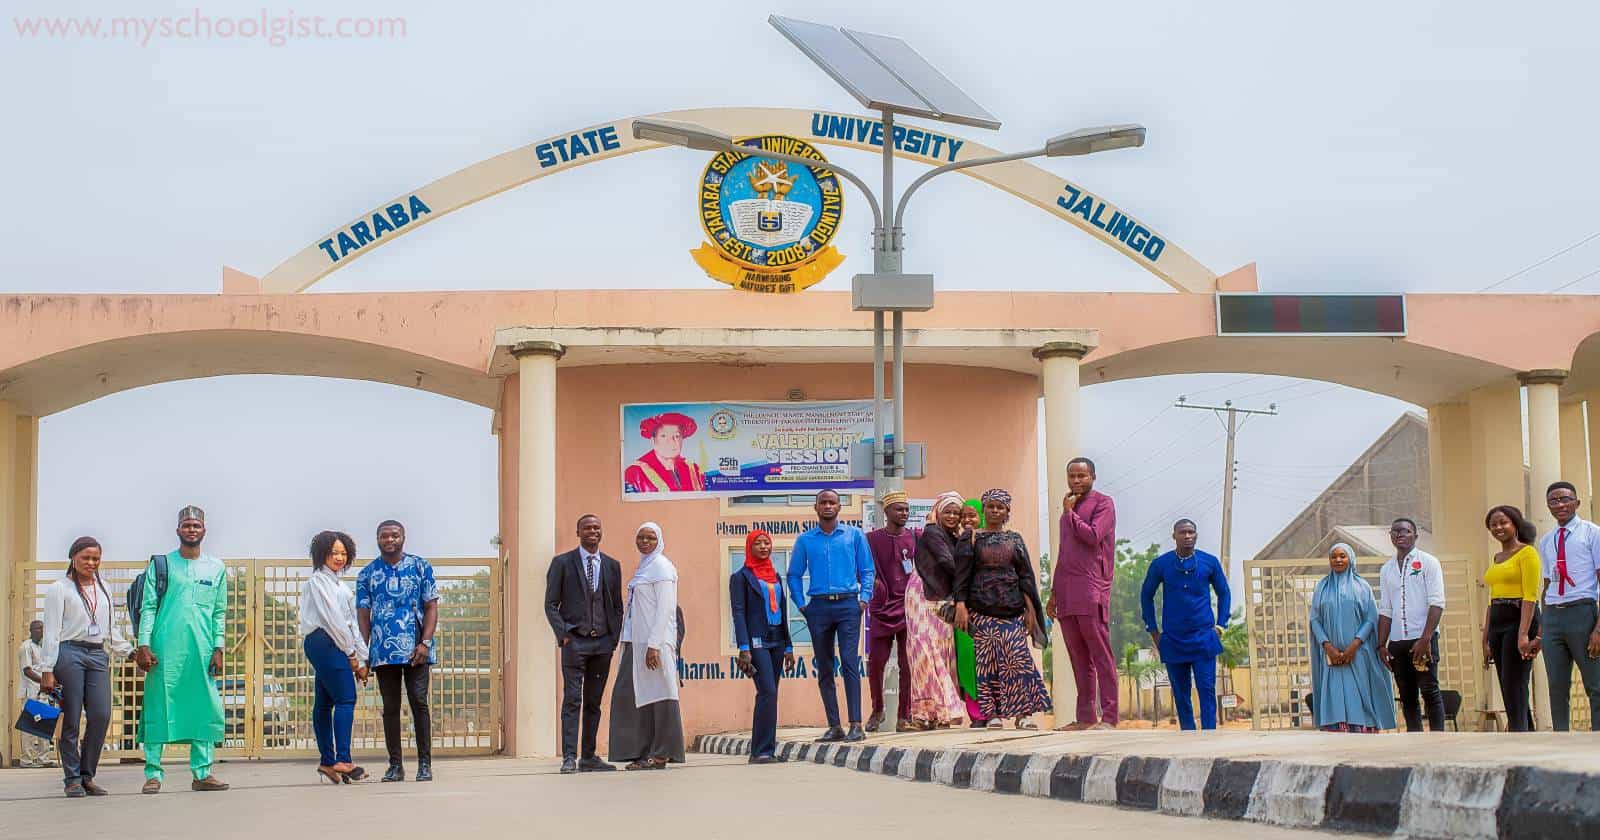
356 774
326 772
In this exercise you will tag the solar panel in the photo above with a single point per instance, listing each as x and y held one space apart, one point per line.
933 87
884 73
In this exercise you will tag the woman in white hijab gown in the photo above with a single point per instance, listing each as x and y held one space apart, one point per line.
646 724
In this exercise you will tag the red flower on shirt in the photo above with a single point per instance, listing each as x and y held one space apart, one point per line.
1416 567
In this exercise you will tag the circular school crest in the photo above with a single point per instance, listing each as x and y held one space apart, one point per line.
770 223
723 424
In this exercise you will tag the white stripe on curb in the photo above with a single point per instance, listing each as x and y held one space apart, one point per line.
1036 776
1452 803
1100 783
1183 788
983 771
944 767
908 765
1290 794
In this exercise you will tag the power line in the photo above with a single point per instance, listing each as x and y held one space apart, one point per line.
1166 467
1514 275
1131 435
1574 282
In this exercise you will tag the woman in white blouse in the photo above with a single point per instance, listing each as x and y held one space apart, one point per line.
646 724
337 652
79 624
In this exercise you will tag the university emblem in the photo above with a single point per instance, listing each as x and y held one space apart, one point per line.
769 222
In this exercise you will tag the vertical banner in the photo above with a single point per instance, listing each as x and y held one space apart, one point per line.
703 449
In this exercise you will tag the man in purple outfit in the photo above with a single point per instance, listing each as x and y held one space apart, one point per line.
894 547
1080 594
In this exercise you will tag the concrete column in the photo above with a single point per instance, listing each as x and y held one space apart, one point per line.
1059 363
19 458
1495 477
1544 467
537 730
1544 439
1453 504
1575 448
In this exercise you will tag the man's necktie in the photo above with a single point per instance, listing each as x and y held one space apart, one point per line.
592 584
1562 578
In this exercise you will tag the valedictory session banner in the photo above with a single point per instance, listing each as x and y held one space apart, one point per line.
695 450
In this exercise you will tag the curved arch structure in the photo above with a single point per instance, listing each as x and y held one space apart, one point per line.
1069 201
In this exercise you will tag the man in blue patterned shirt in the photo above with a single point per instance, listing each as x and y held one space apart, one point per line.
397 602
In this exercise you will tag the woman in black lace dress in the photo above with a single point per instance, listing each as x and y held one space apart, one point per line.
997 601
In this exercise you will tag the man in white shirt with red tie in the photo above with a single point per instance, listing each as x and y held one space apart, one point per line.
1570 632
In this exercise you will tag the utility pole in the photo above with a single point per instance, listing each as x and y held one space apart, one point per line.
1230 468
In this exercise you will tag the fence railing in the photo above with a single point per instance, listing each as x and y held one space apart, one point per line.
267 684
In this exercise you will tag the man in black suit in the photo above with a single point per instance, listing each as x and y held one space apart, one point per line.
583 599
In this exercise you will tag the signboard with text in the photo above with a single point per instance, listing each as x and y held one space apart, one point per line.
703 449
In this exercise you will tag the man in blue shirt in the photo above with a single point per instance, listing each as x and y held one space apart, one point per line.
1192 636
397 604
841 585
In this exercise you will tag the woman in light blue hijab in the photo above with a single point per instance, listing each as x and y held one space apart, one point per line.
1351 690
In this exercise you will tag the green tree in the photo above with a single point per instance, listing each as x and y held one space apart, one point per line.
1127 619
1235 643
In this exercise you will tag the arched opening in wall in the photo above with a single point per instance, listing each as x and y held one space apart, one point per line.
273 460
1293 492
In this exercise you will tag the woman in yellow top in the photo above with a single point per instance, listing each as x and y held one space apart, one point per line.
1511 628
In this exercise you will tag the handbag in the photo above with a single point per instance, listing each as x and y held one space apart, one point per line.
38 718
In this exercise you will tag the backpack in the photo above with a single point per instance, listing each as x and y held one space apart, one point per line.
135 603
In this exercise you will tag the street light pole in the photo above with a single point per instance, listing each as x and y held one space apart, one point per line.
904 292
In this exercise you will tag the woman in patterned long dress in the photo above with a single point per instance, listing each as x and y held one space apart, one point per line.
997 601
934 702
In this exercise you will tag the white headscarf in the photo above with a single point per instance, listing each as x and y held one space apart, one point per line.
653 567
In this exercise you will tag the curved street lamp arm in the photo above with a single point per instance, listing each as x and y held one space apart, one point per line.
900 209
877 211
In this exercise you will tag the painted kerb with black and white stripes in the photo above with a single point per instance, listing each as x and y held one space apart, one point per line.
1430 801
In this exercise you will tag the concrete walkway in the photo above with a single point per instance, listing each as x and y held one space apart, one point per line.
710 798
1446 785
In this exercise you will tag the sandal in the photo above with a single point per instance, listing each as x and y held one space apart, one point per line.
638 764
655 764
1026 722
996 724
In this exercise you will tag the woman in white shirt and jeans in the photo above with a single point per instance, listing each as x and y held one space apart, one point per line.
337 652
79 623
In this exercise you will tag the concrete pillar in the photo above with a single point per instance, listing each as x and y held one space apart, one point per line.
1575 448
1495 476
1453 503
19 459
1059 363
1544 467
1544 439
537 730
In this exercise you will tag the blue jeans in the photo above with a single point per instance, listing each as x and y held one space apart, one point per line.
334 711
1186 676
839 621
768 662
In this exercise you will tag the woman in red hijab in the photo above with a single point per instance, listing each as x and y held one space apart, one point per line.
664 469
761 624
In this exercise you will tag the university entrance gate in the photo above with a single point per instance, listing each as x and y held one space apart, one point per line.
267 684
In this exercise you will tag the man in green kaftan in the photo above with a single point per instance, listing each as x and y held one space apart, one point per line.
180 649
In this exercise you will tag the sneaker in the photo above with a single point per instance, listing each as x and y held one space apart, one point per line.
151 786
75 791
207 785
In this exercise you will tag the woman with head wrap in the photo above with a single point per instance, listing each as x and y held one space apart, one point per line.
1350 689
966 673
934 702
761 627
646 725
997 601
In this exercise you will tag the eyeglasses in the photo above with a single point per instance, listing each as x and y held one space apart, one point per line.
1563 500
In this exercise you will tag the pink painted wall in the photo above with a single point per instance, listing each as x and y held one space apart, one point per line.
980 426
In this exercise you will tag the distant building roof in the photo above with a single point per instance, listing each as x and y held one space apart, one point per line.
1388 480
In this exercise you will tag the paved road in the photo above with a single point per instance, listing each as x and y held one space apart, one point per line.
492 798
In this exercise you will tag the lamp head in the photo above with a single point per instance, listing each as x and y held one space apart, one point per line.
1087 141
687 135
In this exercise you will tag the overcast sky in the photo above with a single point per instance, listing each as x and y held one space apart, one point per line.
1355 146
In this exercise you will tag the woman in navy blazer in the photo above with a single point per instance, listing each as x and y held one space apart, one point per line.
761 624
